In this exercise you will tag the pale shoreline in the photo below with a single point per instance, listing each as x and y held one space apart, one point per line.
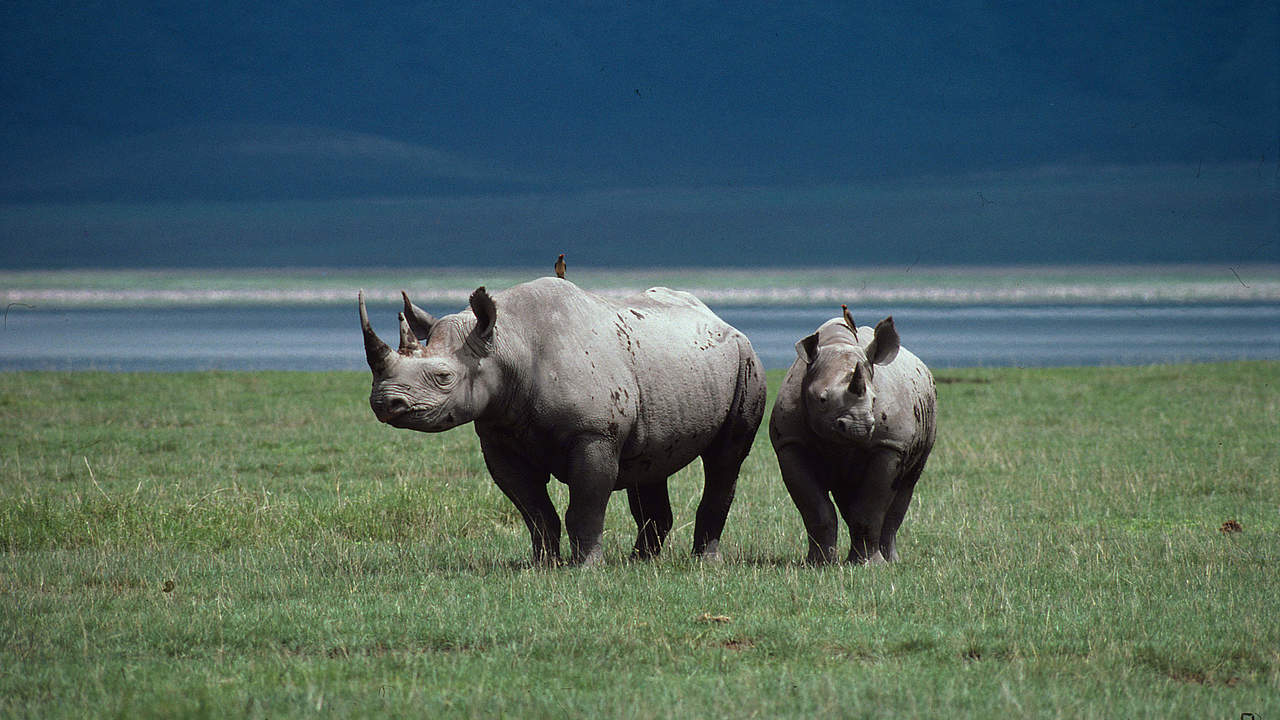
1256 283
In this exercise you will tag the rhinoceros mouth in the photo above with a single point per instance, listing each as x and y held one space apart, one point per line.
422 419
403 419
411 416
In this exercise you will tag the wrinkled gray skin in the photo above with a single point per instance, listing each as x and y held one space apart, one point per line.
854 421
605 395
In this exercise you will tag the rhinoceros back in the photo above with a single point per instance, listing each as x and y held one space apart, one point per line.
658 368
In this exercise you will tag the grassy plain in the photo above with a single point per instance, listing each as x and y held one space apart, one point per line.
255 544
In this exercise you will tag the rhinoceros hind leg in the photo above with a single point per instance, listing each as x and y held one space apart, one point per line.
651 507
720 465
722 460
713 510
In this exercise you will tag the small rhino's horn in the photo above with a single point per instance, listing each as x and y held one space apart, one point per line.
376 352
408 341
858 383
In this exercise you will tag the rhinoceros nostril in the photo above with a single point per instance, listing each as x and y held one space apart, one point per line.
394 406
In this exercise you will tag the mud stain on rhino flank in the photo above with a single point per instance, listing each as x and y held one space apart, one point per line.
619 398
624 334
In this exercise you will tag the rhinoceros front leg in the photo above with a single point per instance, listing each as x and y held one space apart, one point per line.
591 473
651 507
526 487
812 499
897 511
864 501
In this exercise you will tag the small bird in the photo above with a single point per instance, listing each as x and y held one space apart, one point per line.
560 266
848 320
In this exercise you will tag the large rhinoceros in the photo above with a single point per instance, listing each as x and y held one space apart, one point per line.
854 419
605 395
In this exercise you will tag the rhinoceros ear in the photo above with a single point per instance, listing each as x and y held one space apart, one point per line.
420 321
486 313
884 347
807 349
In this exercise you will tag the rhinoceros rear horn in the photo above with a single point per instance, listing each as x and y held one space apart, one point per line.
420 321
408 341
376 352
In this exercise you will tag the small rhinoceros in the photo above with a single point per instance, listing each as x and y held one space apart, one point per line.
605 395
853 420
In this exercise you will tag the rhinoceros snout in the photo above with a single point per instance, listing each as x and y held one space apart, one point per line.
853 430
388 408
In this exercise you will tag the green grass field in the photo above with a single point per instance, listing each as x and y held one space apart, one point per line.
255 544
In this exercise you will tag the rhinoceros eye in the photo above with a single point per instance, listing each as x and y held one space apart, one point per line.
443 378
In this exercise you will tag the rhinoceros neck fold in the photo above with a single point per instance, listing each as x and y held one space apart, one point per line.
510 397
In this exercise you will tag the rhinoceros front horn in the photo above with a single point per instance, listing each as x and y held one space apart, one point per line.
378 353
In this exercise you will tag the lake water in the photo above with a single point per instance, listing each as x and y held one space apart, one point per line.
328 337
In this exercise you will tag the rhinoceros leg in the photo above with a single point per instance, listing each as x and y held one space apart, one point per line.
812 499
651 507
591 473
718 490
722 460
864 503
720 464
897 511
526 487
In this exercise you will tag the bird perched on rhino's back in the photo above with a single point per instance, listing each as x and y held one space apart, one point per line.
560 266
605 395
854 419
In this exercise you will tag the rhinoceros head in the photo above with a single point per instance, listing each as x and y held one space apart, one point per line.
838 387
439 385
